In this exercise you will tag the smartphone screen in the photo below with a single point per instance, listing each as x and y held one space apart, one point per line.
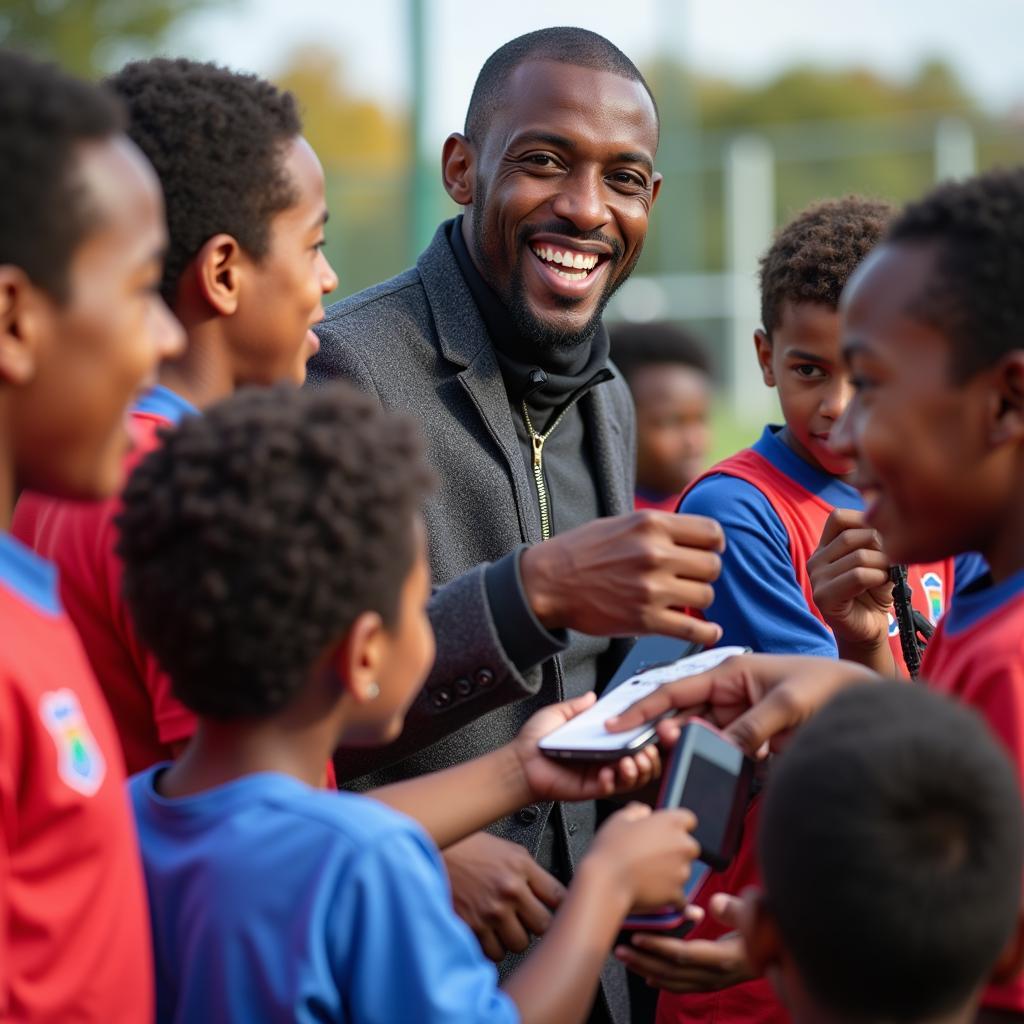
709 794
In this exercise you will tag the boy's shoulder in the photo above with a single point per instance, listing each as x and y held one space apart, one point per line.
283 803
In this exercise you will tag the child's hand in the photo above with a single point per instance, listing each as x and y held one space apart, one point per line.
647 855
850 580
696 965
757 699
548 779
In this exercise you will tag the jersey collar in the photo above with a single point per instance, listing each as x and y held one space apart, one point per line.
161 401
829 488
979 600
32 578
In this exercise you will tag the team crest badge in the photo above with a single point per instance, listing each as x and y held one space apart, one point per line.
933 594
80 762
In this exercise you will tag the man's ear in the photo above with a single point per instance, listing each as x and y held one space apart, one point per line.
458 168
359 657
656 181
763 347
1011 962
1008 378
22 315
218 273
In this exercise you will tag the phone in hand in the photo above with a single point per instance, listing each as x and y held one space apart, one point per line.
709 775
586 738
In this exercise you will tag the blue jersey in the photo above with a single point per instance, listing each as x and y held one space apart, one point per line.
761 598
272 901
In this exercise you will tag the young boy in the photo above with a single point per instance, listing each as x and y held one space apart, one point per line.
891 845
282 580
245 274
931 332
82 328
668 373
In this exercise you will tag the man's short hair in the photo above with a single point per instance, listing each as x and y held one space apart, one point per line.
46 116
975 295
258 532
814 255
565 45
217 139
637 345
891 849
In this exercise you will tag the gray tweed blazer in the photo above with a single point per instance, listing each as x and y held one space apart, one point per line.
418 343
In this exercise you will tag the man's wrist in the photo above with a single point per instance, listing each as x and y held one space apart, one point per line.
603 880
540 586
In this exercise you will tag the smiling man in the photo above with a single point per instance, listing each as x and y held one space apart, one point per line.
495 340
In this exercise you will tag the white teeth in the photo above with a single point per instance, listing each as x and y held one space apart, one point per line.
577 261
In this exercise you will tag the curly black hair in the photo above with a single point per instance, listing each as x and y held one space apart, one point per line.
637 345
258 532
217 139
975 291
44 210
813 256
578 47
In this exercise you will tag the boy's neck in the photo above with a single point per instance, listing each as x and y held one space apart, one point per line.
785 435
8 486
203 375
222 752
811 1013
1004 552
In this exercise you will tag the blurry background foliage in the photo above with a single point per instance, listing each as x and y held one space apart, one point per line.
831 130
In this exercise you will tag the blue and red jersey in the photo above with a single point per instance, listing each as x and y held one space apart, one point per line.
660 502
79 538
773 507
74 928
977 657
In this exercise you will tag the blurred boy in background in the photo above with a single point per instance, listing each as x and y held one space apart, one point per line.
669 374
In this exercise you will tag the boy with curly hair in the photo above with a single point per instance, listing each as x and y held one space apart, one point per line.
283 581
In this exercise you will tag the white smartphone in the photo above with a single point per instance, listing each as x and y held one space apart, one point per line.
586 738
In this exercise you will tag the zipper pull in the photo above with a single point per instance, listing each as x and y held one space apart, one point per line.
538 450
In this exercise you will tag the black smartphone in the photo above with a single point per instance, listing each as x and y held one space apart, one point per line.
709 775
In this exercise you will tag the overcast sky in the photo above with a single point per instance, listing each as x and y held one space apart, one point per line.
748 39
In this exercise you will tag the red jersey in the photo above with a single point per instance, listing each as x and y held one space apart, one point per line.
79 538
977 657
74 929
802 512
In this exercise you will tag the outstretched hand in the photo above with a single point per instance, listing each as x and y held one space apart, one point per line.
757 699
550 779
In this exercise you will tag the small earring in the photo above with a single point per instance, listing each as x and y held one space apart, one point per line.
372 691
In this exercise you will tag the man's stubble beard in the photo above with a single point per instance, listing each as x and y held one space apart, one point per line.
530 327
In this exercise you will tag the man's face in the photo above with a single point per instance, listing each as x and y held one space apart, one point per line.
563 187
802 360
282 293
673 433
100 347
918 435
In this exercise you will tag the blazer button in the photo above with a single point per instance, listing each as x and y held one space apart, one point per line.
484 678
528 815
441 697
463 687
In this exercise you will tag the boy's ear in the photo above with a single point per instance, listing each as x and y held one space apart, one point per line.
763 347
218 272
458 168
21 322
1011 962
359 657
760 933
1008 423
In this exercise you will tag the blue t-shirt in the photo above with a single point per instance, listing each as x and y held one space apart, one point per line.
759 602
272 901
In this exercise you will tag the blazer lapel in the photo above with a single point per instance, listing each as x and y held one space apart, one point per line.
464 341
614 475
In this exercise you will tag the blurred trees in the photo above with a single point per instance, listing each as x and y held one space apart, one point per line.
88 36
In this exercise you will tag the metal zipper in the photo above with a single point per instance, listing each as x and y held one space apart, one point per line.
537 442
